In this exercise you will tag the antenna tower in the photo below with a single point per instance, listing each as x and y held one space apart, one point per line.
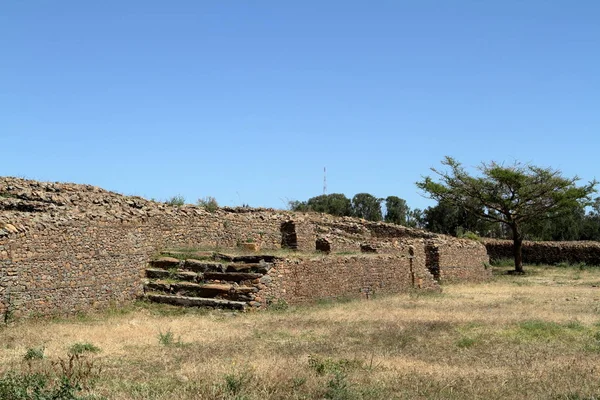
324 180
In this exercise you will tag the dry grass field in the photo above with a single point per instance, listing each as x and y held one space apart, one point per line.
519 337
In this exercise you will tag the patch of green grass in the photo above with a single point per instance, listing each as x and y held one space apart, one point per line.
545 331
84 347
325 365
502 262
466 342
278 305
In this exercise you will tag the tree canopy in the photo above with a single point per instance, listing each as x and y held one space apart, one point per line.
367 206
514 195
396 210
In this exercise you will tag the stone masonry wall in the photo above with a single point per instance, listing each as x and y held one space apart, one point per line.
354 276
463 261
551 253
66 248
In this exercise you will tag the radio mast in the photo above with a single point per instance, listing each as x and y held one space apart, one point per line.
324 180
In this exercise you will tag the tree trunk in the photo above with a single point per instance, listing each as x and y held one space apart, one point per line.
517 246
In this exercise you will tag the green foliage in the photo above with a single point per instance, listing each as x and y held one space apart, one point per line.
367 206
63 381
502 262
80 348
36 387
325 365
466 235
338 387
334 204
396 210
279 305
167 338
466 342
236 382
452 219
34 353
176 201
511 195
209 204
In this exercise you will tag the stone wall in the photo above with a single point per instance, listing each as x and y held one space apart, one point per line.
298 280
551 253
66 248
458 260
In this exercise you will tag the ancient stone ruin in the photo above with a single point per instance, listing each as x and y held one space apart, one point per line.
66 248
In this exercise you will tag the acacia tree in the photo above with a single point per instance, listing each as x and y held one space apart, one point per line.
513 195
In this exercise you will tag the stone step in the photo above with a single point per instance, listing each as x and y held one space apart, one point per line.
232 276
205 255
166 263
196 301
203 266
202 290
194 289
255 259
157 273
262 267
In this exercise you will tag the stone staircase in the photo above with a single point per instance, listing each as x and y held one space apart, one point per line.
207 279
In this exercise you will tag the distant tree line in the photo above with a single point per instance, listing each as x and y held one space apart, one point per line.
580 223
391 209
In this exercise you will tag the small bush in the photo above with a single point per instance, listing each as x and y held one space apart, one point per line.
236 382
468 235
209 204
338 387
176 201
34 353
167 338
80 348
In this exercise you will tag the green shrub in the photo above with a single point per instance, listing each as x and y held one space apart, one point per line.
80 348
461 233
338 387
236 382
167 338
176 201
209 204
34 353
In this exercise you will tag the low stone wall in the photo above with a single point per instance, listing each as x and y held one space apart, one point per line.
462 261
300 281
551 253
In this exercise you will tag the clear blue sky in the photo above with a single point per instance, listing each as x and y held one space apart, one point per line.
247 101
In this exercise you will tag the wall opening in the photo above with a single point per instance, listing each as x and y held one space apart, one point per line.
432 260
289 239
